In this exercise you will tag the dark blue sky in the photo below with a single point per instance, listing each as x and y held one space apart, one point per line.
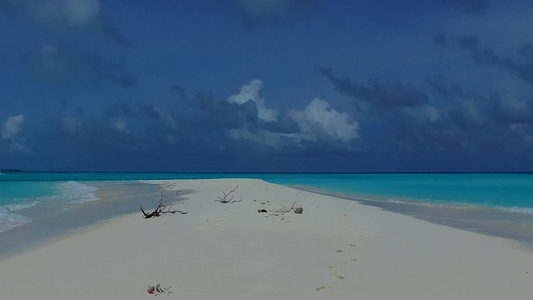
266 85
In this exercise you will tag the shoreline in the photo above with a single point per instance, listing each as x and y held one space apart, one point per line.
337 248
119 198
481 220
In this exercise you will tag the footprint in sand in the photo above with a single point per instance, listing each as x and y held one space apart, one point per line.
323 288
337 276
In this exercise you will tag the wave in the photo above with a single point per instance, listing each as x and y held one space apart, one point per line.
429 203
9 220
73 192
15 207
516 209
462 205
67 195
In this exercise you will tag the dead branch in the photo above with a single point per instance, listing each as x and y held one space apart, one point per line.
284 210
161 207
224 198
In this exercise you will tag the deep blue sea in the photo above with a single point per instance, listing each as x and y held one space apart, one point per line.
508 193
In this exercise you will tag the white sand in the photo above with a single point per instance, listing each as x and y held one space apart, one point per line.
230 251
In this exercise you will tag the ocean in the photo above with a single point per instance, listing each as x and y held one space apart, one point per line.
498 204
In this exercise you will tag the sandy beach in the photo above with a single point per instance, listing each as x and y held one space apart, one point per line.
335 249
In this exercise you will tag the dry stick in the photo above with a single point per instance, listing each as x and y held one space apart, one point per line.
160 209
224 200
283 210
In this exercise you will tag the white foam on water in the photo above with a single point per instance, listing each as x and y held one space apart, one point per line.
9 220
68 194
73 192
515 209
15 207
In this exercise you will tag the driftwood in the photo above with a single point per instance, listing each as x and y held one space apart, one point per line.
162 208
224 198
283 210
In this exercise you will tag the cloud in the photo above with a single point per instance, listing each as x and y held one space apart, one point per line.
250 92
380 95
120 108
521 65
259 136
119 125
302 129
524 132
155 113
258 12
512 110
317 121
66 65
66 17
423 114
472 7
11 128
467 114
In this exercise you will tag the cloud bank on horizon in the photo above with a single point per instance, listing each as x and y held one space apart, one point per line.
266 85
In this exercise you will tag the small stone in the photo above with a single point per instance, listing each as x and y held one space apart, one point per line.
299 210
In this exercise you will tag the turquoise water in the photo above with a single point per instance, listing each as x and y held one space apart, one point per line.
490 190
512 193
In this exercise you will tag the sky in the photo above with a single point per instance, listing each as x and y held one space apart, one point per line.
266 85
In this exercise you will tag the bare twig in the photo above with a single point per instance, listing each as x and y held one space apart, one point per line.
161 207
282 211
224 198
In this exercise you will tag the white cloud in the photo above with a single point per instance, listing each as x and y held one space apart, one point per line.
524 131
318 121
513 109
468 112
81 12
250 92
119 125
17 147
424 113
72 124
12 127
75 13
263 8
261 137
10 130
255 12
65 16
